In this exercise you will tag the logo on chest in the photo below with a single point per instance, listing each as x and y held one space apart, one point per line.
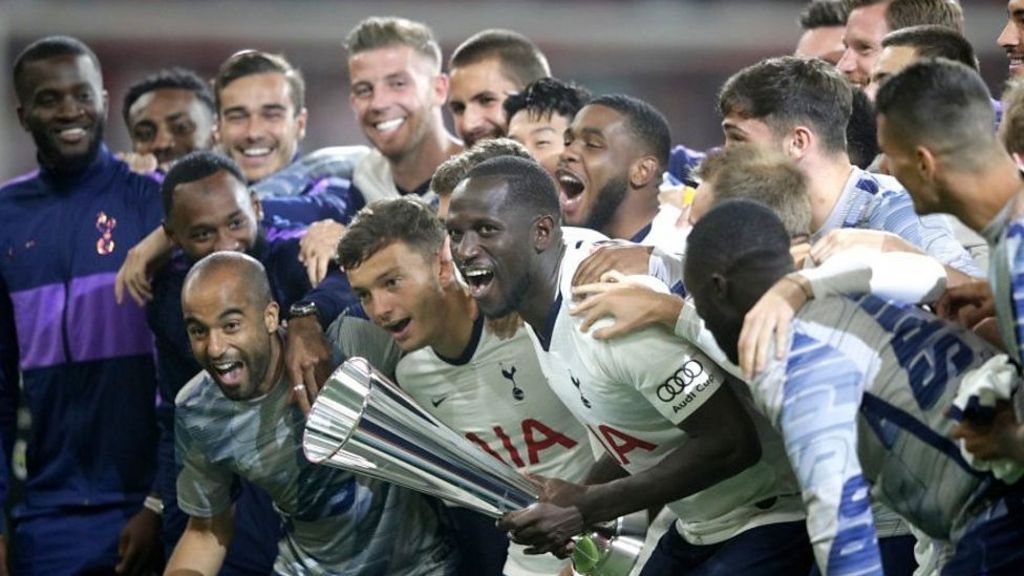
509 373
105 226
576 383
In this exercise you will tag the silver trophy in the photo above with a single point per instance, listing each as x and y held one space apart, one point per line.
363 423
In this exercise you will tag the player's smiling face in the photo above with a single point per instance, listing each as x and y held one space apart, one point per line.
258 125
593 169
231 336
394 92
213 214
1012 37
400 290
63 106
477 93
490 244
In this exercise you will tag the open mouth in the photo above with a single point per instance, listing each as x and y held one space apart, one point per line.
572 188
229 373
389 125
478 279
72 135
397 328
255 152
1016 60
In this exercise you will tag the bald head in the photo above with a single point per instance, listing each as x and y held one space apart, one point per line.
247 275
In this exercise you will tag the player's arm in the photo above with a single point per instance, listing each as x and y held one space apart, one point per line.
900 276
722 442
814 399
204 493
203 546
690 393
307 351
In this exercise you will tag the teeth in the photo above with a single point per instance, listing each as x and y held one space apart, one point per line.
476 273
225 366
389 125
73 132
256 151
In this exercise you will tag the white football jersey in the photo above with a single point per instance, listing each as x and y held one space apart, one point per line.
496 396
633 391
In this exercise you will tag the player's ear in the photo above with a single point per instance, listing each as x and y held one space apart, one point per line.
544 232
271 318
643 170
926 163
721 286
257 207
799 144
446 266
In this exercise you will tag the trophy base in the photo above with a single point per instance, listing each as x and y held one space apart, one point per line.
612 550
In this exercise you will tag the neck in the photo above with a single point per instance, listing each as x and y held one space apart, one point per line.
979 195
540 296
458 315
412 169
826 179
276 365
637 210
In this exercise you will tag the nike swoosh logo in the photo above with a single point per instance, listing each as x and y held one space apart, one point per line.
437 401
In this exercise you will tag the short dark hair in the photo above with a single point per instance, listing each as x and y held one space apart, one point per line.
862 131
388 221
646 122
381 32
521 60
906 13
743 241
49 47
192 167
251 273
548 96
942 104
454 170
786 91
169 78
530 187
251 62
823 14
931 41
761 174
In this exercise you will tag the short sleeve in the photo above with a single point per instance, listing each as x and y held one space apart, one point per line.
668 372
204 488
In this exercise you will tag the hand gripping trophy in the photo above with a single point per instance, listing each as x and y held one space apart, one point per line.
364 423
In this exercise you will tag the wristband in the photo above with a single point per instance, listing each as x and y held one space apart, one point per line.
154 504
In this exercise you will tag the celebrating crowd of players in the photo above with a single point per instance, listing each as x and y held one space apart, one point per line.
785 344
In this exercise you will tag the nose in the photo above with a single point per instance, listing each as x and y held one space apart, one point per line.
163 140
226 243
847 63
472 118
381 99
379 307
1008 38
254 128
69 108
570 153
215 344
465 248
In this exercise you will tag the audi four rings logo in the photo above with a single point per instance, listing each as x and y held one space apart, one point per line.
676 383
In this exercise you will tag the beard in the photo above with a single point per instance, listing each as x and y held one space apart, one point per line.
50 152
606 204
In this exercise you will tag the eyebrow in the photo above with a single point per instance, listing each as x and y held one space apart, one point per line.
592 131
543 129
229 312
386 273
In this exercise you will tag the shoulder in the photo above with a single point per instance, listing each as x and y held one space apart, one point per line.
194 394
